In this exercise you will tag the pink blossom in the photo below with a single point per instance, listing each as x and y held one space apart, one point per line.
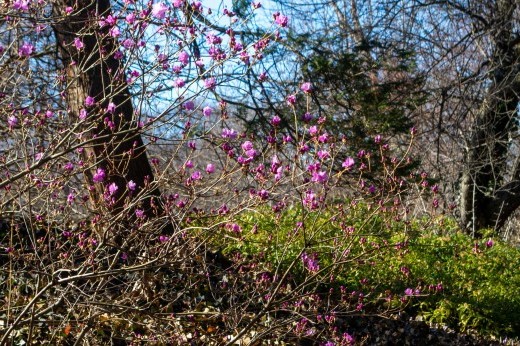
83 114
276 120
69 166
324 138
263 194
109 20
111 108
247 145
229 133
140 213
323 154
251 153
307 117
196 175
210 83
26 50
210 168
128 44
306 87
177 3
313 130
99 176
89 101
211 38
207 111
184 58
130 18
131 185
348 163
21 5
12 121
114 31
189 105
262 77
78 43
320 177
112 189
159 10
291 100
179 83
281 20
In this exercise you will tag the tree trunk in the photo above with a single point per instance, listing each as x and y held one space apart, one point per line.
94 70
487 198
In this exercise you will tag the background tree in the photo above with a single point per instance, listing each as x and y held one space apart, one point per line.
447 67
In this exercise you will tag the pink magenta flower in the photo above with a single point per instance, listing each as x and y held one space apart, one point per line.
306 87
324 138
83 114
112 189
177 3
263 194
184 58
131 185
12 121
319 177
99 176
229 133
247 145
130 18
89 101
69 166
210 83
207 111
307 117
348 163
210 168
114 31
196 175
189 105
21 5
281 20
179 83
111 108
139 213
78 43
313 130
323 154
159 10
26 50
291 100
276 120
408 291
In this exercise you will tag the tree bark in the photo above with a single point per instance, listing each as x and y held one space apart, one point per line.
96 71
487 198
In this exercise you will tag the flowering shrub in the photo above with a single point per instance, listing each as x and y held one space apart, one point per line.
122 174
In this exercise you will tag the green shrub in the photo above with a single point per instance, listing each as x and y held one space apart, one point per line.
455 280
